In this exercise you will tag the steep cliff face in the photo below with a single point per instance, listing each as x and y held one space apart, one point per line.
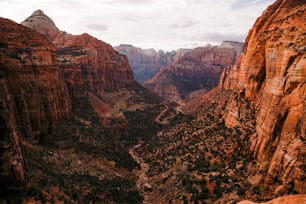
146 63
196 69
90 65
33 97
272 74
87 64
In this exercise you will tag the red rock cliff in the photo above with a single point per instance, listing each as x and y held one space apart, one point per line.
197 69
88 64
272 74
33 98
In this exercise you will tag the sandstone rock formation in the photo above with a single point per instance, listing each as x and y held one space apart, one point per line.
197 69
271 74
43 24
88 65
296 199
33 97
145 63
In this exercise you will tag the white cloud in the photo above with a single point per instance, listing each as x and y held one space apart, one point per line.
162 24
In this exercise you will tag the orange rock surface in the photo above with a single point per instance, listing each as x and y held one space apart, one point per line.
272 74
291 199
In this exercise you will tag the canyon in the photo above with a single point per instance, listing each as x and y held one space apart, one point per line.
179 74
197 69
262 98
77 128
68 108
145 63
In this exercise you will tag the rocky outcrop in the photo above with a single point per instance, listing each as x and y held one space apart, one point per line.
88 65
296 199
271 73
145 63
33 98
43 24
197 69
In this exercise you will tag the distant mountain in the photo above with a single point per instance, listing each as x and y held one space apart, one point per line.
145 63
89 64
197 69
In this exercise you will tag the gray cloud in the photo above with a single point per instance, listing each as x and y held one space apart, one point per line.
218 37
134 2
130 17
162 24
195 1
242 4
183 24
98 27
212 37
68 4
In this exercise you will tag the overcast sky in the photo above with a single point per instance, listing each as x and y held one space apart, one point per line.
160 24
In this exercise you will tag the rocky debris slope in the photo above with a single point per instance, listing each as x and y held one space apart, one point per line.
197 69
33 97
199 160
246 138
145 63
271 73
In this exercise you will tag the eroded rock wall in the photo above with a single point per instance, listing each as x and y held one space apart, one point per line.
272 74
33 97
197 69
88 65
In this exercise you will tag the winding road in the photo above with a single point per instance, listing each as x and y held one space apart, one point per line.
142 182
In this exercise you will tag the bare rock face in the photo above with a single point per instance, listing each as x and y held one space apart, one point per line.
197 69
43 24
33 98
272 74
88 65
145 63
297 199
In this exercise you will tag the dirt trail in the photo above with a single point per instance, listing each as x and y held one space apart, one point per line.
157 119
142 183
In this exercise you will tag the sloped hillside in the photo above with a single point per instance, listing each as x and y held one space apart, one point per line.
197 69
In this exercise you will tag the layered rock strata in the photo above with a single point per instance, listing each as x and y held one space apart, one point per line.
145 63
88 65
33 97
197 69
272 74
